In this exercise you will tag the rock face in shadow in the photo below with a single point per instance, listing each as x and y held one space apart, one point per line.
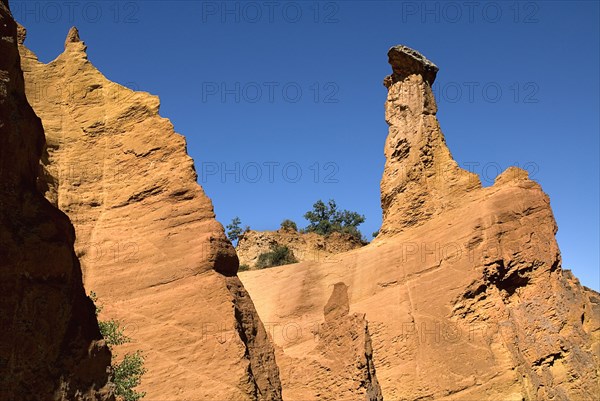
149 242
463 289
50 344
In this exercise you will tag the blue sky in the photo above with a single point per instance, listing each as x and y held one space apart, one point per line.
282 102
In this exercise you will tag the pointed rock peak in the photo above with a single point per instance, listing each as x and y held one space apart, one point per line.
74 42
72 36
406 61
21 33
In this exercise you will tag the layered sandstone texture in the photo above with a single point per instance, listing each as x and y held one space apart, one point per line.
50 344
305 246
463 290
150 246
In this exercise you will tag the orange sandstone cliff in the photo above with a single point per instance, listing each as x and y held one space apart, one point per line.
462 296
146 233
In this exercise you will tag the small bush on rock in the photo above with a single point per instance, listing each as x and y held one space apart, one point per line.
127 374
278 256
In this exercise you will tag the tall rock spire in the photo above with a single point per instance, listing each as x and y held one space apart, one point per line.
421 179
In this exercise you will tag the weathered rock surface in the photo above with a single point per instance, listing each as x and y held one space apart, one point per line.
463 289
50 344
150 245
306 247
327 360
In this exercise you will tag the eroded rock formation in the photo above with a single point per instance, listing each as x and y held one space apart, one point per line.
306 247
146 232
463 289
345 342
328 358
50 344
420 179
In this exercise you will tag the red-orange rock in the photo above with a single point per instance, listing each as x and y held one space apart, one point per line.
150 245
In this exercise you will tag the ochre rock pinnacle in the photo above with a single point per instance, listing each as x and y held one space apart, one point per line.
460 279
72 36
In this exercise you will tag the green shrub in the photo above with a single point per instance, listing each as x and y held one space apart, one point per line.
243 268
128 373
289 225
278 256
326 219
375 234
113 333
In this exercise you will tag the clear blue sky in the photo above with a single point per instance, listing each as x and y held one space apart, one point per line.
299 83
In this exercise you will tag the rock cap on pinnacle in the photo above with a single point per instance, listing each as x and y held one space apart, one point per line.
406 61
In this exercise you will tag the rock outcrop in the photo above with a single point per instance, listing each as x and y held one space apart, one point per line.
463 289
50 344
345 343
329 359
305 246
150 246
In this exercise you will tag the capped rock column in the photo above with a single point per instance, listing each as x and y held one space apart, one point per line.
421 179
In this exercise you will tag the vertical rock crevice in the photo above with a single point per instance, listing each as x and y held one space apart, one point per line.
263 373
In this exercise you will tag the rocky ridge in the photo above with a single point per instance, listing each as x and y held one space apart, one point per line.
150 246
50 343
305 246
